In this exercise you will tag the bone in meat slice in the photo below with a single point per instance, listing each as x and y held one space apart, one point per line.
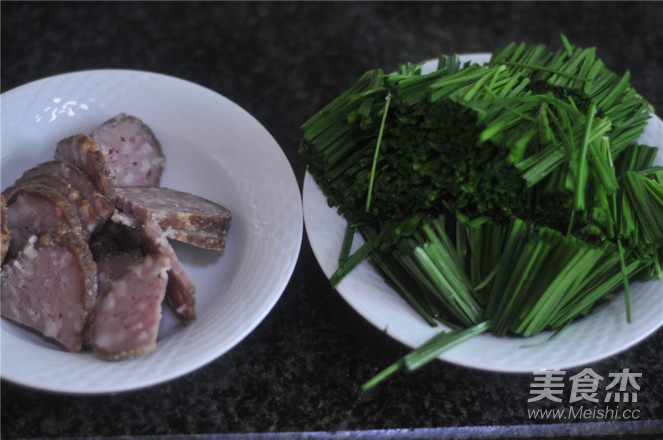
85 153
5 234
181 290
78 179
51 287
127 316
34 208
183 216
134 155
90 219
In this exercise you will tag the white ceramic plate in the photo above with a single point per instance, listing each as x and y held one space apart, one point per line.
599 335
214 149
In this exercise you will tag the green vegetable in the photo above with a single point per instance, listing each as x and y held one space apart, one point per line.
509 197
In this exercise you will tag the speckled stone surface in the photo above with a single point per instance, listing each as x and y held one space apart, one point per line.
301 369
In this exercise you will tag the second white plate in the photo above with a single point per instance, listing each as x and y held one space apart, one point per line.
601 334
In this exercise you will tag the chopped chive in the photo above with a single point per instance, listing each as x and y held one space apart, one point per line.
510 192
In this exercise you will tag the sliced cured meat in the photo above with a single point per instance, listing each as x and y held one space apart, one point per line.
112 267
85 153
114 249
128 315
88 282
178 213
51 287
181 290
173 209
133 153
34 208
78 179
5 235
90 219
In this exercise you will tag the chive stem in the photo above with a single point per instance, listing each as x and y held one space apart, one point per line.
376 153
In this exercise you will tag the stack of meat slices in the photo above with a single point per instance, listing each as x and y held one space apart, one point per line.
84 242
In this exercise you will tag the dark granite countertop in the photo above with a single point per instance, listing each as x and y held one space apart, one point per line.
298 374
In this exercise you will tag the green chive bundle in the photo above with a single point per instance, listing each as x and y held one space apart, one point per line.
509 197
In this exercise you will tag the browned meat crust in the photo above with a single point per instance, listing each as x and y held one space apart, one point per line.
5 234
85 153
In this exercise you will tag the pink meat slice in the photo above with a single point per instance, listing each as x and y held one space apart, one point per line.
134 155
78 179
181 290
128 315
85 153
111 267
34 208
90 219
183 216
114 249
51 287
